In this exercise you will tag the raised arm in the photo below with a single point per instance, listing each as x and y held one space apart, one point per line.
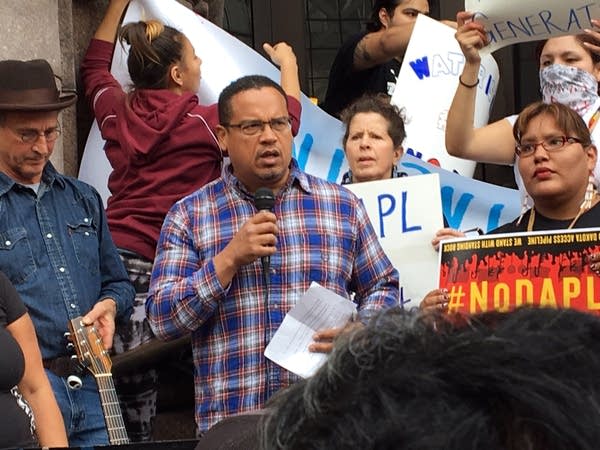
107 30
283 56
102 90
492 143
380 46
35 386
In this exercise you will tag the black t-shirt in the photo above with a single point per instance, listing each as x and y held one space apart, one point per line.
15 424
346 85
589 219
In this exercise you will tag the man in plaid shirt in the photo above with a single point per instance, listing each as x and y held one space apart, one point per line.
207 276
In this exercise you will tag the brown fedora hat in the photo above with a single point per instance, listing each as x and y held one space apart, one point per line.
31 86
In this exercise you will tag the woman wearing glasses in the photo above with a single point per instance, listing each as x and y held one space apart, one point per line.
161 146
556 162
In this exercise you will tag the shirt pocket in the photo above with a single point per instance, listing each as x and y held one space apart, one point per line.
331 259
16 256
84 238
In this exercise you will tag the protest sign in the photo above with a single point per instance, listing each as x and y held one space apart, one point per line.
425 88
406 213
509 22
505 271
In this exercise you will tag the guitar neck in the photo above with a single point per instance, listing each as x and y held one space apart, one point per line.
112 410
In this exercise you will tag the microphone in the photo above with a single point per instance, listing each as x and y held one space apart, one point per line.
264 200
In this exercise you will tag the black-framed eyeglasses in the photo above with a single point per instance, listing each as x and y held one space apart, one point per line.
31 135
550 144
252 127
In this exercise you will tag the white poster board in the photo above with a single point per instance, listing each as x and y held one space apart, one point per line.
512 21
406 212
425 88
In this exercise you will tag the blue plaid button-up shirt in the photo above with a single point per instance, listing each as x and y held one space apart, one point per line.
324 235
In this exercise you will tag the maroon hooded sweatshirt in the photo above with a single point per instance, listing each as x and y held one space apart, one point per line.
160 145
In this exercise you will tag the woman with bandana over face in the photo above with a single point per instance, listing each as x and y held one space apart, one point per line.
569 74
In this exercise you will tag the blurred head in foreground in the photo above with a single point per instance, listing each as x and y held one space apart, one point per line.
520 380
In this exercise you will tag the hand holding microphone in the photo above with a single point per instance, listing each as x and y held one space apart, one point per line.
255 239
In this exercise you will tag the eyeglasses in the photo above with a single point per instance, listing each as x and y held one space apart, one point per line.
30 135
550 144
252 127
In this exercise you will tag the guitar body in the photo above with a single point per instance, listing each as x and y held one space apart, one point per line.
93 356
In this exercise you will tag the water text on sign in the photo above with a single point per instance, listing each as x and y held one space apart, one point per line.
450 64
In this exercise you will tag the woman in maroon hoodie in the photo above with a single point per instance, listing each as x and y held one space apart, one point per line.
161 146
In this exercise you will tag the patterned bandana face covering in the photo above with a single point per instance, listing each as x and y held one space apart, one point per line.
570 86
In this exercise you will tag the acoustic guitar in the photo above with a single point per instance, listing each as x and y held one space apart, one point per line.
93 356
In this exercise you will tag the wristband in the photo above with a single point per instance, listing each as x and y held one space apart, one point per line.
469 86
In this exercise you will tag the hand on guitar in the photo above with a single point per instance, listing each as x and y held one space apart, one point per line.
91 349
102 316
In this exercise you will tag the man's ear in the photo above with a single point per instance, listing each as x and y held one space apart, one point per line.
384 18
222 138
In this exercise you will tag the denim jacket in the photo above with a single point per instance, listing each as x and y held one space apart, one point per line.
56 249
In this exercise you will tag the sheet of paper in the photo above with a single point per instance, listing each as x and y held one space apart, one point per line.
318 309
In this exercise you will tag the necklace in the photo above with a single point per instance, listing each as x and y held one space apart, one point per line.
585 206
594 120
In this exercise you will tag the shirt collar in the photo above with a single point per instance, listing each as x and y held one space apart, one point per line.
49 176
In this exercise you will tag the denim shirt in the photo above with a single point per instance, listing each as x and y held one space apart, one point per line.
56 249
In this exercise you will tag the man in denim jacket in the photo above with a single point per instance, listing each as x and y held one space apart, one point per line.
54 242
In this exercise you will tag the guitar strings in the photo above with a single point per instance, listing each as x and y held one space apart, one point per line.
103 375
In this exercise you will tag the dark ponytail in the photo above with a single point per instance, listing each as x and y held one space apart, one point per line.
154 49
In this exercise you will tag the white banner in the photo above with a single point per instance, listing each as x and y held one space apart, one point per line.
468 203
224 59
511 21
406 213
425 89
